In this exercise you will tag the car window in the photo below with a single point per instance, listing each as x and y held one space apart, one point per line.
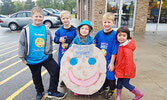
21 14
45 13
28 14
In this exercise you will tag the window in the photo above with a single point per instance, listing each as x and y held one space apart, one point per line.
153 11
21 14
28 14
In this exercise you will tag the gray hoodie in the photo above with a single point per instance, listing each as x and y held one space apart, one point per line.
24 43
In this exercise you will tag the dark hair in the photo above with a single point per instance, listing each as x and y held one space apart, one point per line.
125 30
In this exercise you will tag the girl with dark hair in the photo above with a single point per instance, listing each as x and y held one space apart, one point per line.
125 68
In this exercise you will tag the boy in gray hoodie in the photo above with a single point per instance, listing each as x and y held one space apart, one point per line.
35 50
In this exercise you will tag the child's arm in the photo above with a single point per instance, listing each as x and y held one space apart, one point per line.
129 61
111 65
21 49
57 38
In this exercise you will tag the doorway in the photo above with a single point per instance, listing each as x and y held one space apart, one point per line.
124 11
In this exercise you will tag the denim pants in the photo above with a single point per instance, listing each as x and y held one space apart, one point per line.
53 69
124 82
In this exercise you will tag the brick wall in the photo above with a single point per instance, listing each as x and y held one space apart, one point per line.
141 15
97 5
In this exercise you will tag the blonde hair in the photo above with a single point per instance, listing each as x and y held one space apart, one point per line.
109 16
64 12
36 10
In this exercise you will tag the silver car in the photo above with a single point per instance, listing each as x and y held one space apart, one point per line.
22 18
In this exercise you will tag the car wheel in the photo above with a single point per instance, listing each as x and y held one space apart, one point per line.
48 24
13 26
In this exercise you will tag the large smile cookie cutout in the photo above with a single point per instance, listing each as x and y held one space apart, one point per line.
83 69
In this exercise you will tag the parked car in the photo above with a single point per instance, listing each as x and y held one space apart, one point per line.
3 16
22 18
53 11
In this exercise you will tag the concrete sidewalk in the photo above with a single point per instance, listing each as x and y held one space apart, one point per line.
151 61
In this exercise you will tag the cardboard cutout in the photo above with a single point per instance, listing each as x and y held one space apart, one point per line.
83 69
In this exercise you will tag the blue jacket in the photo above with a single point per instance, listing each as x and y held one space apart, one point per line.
109 46
88 40
69 35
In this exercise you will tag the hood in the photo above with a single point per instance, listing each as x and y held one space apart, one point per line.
129 44
85 22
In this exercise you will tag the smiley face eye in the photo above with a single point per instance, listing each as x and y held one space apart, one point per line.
73 61
92 61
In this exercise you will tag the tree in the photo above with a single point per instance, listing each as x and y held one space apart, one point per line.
18 6
29 4
45 3
7 7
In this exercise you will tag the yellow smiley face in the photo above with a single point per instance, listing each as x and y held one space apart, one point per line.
39 42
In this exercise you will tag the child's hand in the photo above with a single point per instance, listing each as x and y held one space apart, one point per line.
25 62
111 67
62 40
93 44
73 44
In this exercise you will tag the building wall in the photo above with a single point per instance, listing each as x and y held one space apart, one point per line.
98 5
141 15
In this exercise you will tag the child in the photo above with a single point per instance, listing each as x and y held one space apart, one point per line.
125 68
105 40
83 35
64 35
35 50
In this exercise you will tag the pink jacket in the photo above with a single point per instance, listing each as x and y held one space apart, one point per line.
124 60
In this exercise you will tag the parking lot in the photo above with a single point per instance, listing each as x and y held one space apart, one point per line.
150 58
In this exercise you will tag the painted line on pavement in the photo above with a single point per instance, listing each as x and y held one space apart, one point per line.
9 47
2 82
8 44
25 86
11 97
10 65
8 52
8 59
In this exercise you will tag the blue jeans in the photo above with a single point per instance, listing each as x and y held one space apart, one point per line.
124 82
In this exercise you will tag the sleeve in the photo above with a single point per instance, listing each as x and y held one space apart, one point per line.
22 46
115 46
91 40
51 41
57 36
96 40
129 63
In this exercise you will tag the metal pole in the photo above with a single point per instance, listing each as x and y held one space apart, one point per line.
159 16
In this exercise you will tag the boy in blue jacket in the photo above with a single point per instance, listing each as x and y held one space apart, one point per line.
64 36
105 40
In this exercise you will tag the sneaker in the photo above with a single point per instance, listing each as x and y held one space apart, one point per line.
102 90
109 94
39 96
57 95
62 84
